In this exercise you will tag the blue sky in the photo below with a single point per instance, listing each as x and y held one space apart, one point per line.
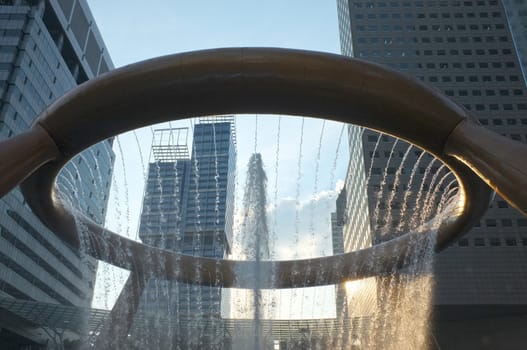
138 30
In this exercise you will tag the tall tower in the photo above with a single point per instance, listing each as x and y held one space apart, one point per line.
465 49
46 49
188 207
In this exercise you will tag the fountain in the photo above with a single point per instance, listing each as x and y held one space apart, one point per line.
262 81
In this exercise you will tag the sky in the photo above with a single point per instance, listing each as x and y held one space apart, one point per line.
305 154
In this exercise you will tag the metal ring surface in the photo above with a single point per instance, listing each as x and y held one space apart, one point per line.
238 81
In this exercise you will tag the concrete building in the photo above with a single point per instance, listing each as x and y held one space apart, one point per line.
465 49
46 49
188 207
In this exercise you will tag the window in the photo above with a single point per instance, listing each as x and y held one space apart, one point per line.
463 242
502 204
497 121
479 242
490 222
494 241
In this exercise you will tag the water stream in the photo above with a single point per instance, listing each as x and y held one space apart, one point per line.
390 311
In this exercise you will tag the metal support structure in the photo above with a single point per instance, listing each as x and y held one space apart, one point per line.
116 328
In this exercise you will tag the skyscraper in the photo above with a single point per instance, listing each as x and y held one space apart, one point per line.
46 49
465 49
188 207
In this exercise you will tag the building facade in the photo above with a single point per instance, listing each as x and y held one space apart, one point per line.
466 50
46 49
188 207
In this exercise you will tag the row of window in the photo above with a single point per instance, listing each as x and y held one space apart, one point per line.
427 40
372 16
12 16
210 213
522 222
218 128
476 78
508 121
491 106
28 276
463 39
430 3
492 241
446 15
385 138
434 27
209 138
487 92
413 53
459 65
13 291
404 187
392 170
465 52
11 238
50 247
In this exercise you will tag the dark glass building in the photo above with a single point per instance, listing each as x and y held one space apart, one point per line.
188 207
46 49
465 49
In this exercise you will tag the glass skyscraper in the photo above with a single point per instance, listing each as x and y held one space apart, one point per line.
46 49
188 207
466 50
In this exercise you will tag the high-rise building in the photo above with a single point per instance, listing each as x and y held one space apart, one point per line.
337 243
188 207
465 49
46 49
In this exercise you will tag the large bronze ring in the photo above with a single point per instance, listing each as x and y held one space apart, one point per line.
259 80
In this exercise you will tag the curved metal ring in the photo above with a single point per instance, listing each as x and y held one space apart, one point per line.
238 81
